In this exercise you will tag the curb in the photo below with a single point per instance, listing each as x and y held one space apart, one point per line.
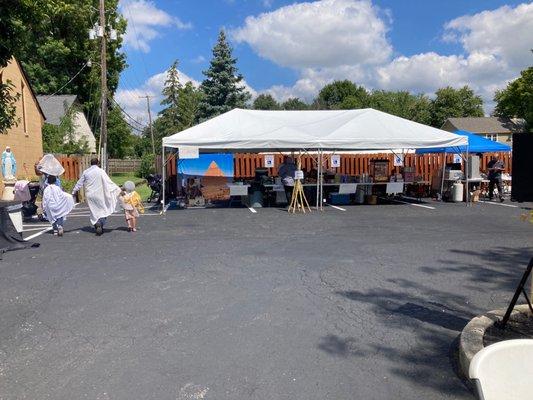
471 340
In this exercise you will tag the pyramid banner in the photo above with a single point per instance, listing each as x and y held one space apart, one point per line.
217 165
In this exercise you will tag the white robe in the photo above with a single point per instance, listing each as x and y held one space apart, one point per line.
100 191
56 203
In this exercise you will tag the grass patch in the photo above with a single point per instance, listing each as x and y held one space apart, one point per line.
140 184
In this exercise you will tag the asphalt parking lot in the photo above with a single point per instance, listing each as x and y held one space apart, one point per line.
365 303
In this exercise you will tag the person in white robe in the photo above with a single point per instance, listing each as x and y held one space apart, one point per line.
56 205
101 194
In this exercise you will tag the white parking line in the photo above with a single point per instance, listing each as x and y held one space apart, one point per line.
498 204
414 204
252 210
336 207
38 233
34 229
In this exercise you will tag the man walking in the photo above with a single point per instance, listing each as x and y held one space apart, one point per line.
101 193
495 167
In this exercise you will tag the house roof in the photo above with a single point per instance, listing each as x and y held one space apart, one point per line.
28 82
55 107
486 124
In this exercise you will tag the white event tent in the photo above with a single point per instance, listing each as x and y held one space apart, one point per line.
317 130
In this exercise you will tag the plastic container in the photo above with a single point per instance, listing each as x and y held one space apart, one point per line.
360 195
457 192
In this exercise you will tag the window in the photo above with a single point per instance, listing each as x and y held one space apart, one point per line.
492 136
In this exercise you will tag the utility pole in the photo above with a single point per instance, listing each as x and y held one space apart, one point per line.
147 97
103 82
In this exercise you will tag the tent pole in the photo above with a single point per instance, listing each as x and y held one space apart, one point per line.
442 177
317 180
321 183
466 174
163 185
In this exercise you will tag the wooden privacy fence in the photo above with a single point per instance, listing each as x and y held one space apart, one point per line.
244 164
425 165
123 166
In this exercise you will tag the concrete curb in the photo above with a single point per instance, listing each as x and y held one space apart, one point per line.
471 340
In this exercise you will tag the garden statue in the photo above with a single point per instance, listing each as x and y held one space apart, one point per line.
9 165
9 169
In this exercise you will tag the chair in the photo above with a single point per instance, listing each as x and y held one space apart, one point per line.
503 370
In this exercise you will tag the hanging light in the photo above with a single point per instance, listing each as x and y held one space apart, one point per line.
89 63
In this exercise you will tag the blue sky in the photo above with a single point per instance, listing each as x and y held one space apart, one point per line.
290 48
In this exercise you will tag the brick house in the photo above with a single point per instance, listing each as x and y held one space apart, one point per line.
24 138
492 128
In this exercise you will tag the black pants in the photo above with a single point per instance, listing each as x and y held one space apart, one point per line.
499 186
288 193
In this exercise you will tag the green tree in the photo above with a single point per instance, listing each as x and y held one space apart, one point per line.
265 102
119 135
341 95
223 88
450 102
294 103
171 93
52 43
402 104
14 18
516 100
180 111
188 106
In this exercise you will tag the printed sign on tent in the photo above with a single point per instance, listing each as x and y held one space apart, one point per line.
188 152
398 160
335 160
457 159
269 160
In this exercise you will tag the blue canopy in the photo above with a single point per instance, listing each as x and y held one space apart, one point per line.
476 144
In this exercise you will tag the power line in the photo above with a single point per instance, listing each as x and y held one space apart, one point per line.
65 85
141 126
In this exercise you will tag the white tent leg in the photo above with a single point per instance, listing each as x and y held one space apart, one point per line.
321 182
163 185
442 177
317 181
466 174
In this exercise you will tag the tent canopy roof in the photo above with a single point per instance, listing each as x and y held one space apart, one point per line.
364 129
476 144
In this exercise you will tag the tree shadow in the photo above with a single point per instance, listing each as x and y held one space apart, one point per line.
430 358
501 267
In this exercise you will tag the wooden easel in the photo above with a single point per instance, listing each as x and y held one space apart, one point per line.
298 200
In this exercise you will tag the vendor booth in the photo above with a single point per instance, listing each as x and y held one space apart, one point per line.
453 177
310 132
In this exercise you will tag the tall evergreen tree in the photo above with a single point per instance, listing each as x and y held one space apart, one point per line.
171 93
188 104
223 88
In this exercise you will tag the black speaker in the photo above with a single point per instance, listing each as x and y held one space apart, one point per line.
522 185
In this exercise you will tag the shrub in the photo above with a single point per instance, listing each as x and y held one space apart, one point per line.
147 165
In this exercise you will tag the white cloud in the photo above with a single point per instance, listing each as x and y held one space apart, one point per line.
198 60
134 104
494 42
505 33
318 34
144 20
